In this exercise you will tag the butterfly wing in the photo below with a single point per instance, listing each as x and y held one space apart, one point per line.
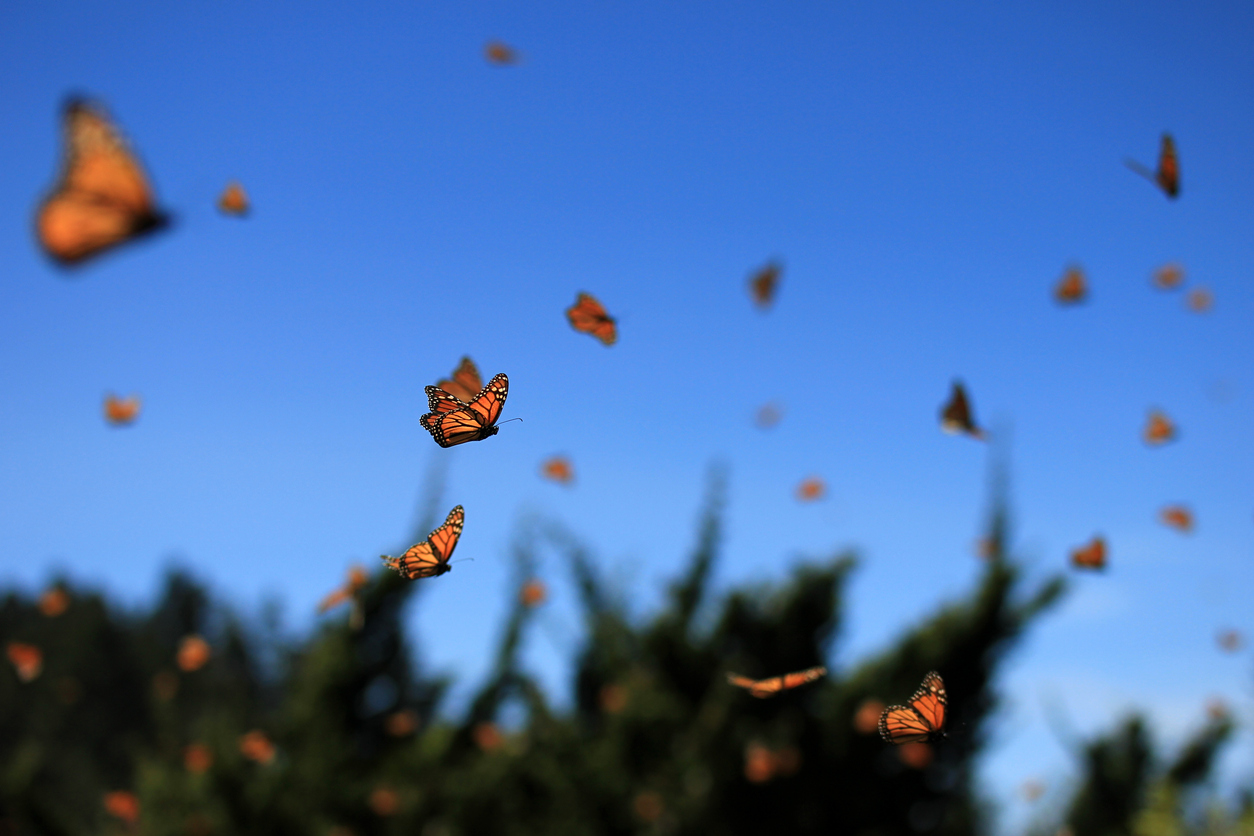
792 680
759 688
930 701
465 381
234 200
588 316
762 285
956 414
922 720
430 557
1168 174
103 197
440 401
490 401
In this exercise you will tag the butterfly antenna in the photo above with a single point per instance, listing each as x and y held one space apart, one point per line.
507 421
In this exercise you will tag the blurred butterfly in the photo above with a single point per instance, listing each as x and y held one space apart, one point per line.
810 489
1230 640
956 414
122 805
1167 177
465 383
350 591
452 421
762 285
54 601
768 415
1090 556
922 719
102 198
1200 300
1072 287
533 593
500 54
559 469
257 746
234 200
430 557
588 316
1177 516
1168 276
27 660
763 688
121 411
1159 429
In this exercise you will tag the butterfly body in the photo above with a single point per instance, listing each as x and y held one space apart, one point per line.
429 559
922 719
453 421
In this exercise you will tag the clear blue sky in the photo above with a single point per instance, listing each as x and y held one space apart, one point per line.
924 173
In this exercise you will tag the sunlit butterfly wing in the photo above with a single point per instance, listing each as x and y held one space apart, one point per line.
121 411
1178 517
922 720
465 382
1072 287
769 687
1159 429
440 401
103 197
559 469
430 557
473 421
234 200
1090 556
588 316
956 414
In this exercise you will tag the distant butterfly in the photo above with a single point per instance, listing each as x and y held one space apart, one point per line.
1167 177
1178 517
588 316
762 285
122 805
103 197
234 200
922 720
27 660
956 414
1159 429
559 469
500 54
348 592
533 593
1168 276
810 489
465 383
1200 300
452 421
430 557
768 415
763 688
1090 556
54 601
1230 640
121 411
1072 287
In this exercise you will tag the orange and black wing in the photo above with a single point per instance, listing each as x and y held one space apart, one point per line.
762 285
465 381
589 316
922 720
490 401
440 401
103 197
1168 174
956 414
452 422
771 686
430 557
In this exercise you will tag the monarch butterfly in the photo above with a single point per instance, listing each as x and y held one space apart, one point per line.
1072 287
588 316
121 411
768 415
193 653
430 557
558 469
1091 556
1159 429
922 720
102 198
956 414
465 381
122 805
234 200
1168 276
356 580
1167 177
27 660
1230 640
452 421
533 593
763 688
500 54
54 601
1177 516
810 489
762 284
1200 300
256 746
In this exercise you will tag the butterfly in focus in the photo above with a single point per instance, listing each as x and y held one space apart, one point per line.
956 414
588 316
1072 287
1178 517
500 54
453 421
121 411
465 382
1167 177
1159 429
1091 555
922 719
559 469
1200 300
810 489
102 198
762 285
1168 276
430 557
763 688
234 200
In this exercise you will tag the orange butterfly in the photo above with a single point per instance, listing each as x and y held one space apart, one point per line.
768 415
1167 177
558 469
956 414
500 54
193 653
430 557
1200 300
763 688
810 489
27 660
533 593
452 421
465 383
1159 429
121 411
762 285
356 580
588 316
54 601
1177 516
122 805
103 198
257 746
1168 276
234 200
1091 556
1072 287
922 720
1230 640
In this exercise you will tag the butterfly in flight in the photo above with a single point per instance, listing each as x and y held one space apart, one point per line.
27 660
1072 287
102 198
559 469
453 421
1200 300
430 557
588 316
811 488
922 719
1167 177
763 688
1168 276
1090 556
768 415
234 200
465 382
500 54
762 285
121 411
1159 429
1178 517
956 414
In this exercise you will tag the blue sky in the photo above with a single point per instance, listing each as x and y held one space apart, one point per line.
925 174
